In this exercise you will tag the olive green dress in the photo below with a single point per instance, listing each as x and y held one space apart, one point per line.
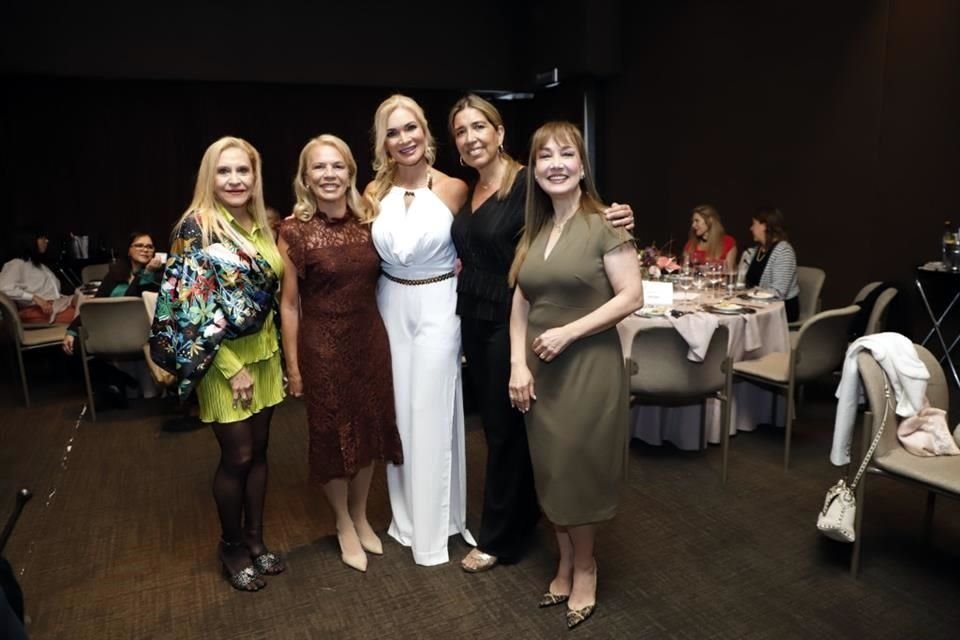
578 426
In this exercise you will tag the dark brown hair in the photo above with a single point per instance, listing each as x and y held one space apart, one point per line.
773 218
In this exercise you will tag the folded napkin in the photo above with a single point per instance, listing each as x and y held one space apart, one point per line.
697 329
751 332
927 433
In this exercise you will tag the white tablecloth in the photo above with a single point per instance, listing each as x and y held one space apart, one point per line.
751 404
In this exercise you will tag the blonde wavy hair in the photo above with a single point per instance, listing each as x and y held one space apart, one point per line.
715 231
205 205
490 112
538 211
306 206
385 166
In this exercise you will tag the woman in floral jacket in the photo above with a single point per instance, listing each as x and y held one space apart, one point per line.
214 330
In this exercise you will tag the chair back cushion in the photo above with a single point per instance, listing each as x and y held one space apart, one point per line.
822 343
663 370
93 272
150 300
865 291
114 326
873 378
810 280
890 454
938 391
11 317
878 315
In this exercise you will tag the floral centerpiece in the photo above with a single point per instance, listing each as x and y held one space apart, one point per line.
656 261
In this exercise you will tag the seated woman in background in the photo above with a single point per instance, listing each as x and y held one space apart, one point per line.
772 263
708 241
30 283
139 273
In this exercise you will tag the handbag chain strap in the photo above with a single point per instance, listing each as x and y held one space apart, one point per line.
876 438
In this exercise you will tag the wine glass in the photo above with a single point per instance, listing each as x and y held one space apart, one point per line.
730 280
685 281
713 275
699 282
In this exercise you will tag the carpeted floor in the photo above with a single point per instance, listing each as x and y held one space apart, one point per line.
119 542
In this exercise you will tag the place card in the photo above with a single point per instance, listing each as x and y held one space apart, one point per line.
657 293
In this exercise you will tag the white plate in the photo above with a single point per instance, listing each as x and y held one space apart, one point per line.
653 312
762 295
725 307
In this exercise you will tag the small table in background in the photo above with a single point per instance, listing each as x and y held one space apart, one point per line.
949 281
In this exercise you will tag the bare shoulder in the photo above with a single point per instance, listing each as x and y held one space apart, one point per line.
452 191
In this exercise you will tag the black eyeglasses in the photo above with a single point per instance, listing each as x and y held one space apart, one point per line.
140 245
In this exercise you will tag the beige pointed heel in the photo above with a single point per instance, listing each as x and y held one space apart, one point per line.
356 561
371 544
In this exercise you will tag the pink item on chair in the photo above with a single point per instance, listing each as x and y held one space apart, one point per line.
927 433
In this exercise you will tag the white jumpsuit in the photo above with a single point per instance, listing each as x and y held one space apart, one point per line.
427 492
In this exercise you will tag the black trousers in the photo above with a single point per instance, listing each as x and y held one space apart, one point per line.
510 509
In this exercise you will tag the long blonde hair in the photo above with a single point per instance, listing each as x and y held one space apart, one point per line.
539 208
715 231
490 112
306 206
385 166
204 206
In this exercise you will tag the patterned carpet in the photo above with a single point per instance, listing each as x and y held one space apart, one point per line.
119 542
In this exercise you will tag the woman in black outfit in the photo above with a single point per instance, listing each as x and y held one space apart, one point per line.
485 233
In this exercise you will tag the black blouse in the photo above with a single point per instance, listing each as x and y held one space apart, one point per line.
486 240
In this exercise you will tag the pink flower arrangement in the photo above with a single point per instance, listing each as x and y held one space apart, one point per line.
657 261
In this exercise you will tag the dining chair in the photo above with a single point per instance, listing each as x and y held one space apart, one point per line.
938 475
93 272
810 280
661 374
818 350
115 328
878 315
865 291
24 340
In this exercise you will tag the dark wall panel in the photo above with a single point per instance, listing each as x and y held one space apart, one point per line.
428 43
839 113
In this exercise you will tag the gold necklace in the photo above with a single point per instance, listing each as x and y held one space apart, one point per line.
496 181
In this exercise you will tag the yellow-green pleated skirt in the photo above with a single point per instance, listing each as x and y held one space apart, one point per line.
216 396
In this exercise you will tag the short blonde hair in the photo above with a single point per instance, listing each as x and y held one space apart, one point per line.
306 206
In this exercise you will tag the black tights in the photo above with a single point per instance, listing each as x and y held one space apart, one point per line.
240 483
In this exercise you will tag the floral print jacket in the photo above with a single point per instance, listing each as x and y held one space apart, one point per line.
207 294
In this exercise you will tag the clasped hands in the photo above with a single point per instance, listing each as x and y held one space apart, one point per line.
547 346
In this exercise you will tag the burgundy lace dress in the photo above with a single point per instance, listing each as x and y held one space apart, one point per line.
343 352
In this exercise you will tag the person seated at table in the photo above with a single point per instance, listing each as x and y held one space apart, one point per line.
772 263
33 286
708 241
140 272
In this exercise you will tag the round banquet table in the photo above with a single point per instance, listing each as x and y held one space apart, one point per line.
751 336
